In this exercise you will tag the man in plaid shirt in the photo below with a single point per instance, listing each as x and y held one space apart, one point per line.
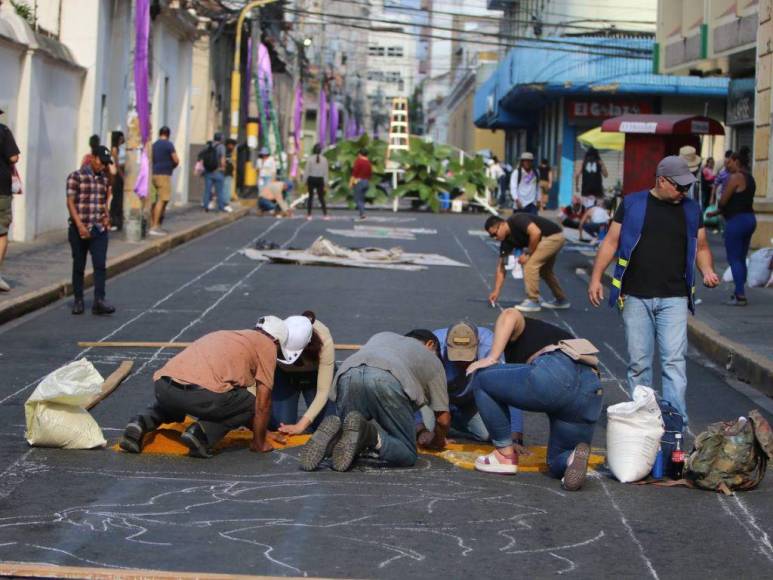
88 190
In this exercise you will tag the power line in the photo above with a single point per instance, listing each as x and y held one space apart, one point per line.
608 50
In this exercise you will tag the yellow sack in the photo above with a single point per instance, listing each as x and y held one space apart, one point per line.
55 414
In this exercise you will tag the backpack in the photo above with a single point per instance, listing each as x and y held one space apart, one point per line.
731 455
209 157
673 423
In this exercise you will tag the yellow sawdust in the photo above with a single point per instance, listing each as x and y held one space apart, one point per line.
166 441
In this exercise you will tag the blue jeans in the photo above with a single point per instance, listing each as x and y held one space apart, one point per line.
531 209
96 245
466 420
738 236
664 320
287 391
569 393
360 189
266 204
213 178
225 199
379 396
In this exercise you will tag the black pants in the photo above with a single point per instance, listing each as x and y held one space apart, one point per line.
316 185
96 245
217 413
116 205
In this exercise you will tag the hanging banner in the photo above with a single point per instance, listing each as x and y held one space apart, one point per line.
142 33
322 114
333 121
297 129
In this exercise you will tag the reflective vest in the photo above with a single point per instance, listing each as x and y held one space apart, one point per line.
635 205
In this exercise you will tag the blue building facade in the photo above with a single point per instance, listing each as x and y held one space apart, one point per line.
544 94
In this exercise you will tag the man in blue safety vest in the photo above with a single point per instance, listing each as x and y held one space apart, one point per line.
657 237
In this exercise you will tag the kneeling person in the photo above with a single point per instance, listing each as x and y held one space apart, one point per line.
377 391
559 378
211 380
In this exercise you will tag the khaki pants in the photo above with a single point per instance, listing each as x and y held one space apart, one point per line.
540 265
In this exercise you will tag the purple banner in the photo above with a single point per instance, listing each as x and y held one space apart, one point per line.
322 114
142 33
333 121
142 185
297 128
265 78
350 132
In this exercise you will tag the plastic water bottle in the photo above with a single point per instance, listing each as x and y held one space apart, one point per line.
657 469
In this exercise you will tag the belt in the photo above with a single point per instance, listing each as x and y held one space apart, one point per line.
182 386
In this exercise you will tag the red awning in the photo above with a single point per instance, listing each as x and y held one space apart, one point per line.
663 125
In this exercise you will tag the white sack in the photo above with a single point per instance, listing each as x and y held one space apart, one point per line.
634 430
55 414
759 268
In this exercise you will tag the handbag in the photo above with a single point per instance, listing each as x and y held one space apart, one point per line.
17 187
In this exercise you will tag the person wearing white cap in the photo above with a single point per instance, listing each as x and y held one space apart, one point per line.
308 371
224 380
657 238
524 185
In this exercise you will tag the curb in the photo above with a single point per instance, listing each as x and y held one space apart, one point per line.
742 362
37 299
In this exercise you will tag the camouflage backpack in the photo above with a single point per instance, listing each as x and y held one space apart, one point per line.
731 455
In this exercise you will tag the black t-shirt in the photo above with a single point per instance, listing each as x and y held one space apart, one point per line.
8 149
536 335
656 268
518 238
741 201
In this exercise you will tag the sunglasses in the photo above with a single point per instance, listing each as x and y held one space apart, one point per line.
678 187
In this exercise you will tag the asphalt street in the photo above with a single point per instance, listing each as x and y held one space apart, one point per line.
241 512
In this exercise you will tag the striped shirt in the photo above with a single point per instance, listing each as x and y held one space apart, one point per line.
90 191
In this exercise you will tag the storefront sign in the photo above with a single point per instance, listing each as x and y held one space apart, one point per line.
637 127
740 101
603 109
699 127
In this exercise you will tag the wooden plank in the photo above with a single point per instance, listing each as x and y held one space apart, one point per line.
141 344
112 382
41 570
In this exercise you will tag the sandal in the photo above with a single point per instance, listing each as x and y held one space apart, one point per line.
492 464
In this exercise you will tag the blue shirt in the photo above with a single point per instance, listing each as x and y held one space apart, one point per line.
163 164
453 372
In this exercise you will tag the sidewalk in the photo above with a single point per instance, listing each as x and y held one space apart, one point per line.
39 272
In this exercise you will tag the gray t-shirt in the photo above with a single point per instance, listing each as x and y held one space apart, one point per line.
419 371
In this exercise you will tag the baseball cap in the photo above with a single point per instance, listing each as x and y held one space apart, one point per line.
676 169
275 327
298 337
462 342
103 153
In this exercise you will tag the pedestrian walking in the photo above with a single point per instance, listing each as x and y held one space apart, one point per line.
589 178
316 175
545 173
118 154
541 240
693 160
737 207
165 160
89 225
377 391
224 380
495 172
94 142
524 185
359 183
266 167
212 158
707 183
657 237
549 371
309 372
9 156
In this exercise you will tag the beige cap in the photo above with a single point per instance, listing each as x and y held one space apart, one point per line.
526 156
462 342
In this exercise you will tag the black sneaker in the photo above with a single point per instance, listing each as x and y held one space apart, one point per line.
77 306
577 470
357 435
131 441
196 440
321 443
736 301
100 307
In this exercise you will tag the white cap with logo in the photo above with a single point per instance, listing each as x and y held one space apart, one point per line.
275 327
299 335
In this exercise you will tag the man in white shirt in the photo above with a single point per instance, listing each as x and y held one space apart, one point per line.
524 185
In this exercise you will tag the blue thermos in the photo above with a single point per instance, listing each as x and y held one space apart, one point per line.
657 469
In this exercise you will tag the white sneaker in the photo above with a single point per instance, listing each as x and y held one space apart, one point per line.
4 286
228 209
157 232
212 205
556 304
529 306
